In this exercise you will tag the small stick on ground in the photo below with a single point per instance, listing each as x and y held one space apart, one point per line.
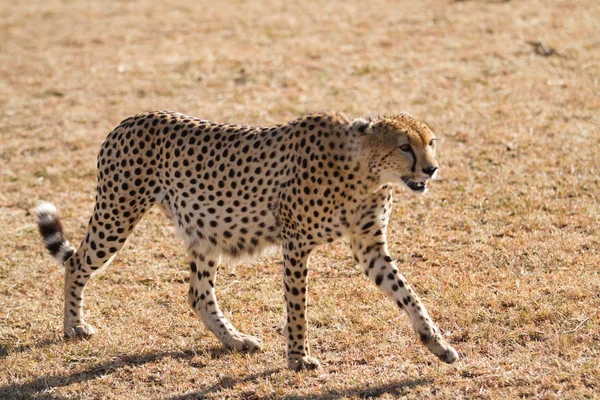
580 324
543 49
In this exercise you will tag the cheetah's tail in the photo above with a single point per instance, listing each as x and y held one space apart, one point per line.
52 232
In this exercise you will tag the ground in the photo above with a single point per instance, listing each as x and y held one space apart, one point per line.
504 249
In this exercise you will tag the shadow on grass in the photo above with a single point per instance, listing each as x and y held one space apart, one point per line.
6 349
396 389
42 387
45 383
226 382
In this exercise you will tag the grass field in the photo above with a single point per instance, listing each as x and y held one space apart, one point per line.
504 249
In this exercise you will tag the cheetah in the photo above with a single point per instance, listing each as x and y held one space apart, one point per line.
235 190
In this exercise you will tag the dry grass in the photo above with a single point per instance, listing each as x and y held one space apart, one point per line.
504 250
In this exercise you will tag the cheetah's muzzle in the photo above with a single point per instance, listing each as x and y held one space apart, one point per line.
415 186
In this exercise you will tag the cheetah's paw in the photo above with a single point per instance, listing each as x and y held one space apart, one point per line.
449 355
244 343
81 331
443 351
305 362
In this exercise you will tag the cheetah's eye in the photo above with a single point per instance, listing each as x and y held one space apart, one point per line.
405 147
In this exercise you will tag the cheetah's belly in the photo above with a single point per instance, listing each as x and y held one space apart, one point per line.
232 233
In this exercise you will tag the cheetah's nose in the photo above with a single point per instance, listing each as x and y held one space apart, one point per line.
431 170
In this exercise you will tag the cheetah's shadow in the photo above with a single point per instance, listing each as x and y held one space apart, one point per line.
396 389
40 388
36 387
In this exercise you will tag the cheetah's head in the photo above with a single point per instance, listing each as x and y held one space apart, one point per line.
400 150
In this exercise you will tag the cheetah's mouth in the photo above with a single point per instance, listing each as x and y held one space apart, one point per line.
415 186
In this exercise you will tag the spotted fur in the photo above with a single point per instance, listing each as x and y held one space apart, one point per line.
233 191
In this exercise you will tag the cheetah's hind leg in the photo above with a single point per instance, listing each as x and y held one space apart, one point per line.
104 238
202 298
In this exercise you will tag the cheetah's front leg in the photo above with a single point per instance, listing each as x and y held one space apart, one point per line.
295 263
371 252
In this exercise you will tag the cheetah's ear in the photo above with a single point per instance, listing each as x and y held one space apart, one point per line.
361 125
